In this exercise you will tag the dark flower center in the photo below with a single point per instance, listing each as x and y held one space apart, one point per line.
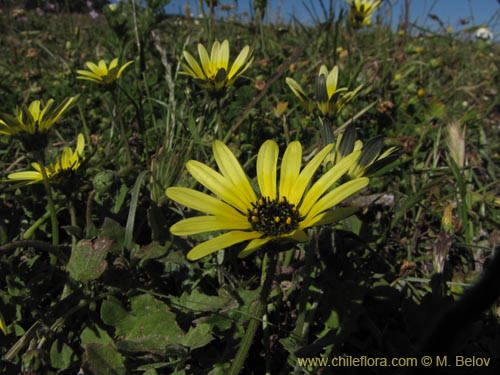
273 217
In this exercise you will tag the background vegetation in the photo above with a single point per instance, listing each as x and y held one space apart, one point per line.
118 295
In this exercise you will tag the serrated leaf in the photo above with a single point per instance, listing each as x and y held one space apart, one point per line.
103 359
150 326
88 259
152 251
197 301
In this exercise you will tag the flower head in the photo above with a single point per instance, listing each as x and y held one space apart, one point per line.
213 72
68 162
361 11
330 99
281 209
101 73
31 123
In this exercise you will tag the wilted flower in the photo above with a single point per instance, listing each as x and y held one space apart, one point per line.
456 143
213 72
102 73
68 162
330 99
280 210
361 11
31 123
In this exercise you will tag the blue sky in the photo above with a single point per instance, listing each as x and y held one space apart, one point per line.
477 12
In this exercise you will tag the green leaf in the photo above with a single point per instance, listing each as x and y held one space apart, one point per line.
150 326
103 359
116 232
152 251
88 259
197 301
198 336
94 334
60 355
112 313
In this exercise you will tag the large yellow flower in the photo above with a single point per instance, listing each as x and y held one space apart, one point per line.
330 99
213 72
102 73
69 161
361 11
33 120
281 209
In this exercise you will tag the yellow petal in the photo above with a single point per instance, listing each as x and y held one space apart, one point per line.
333 198
202 224
331 82
239 61
198 72
93 67
123 68
32 176
290 169
254 245
306 175
266 168
202 202
218 184
219 243
231 169
326 181
113 64
206 64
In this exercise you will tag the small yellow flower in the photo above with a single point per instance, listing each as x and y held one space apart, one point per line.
101 73
370 160
32 123
68 162
281 209
361 11
330 99
213 72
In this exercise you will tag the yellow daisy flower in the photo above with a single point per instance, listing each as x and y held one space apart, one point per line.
282 209
32 123
68 161
213 72
330 99
101 73
33 120
361 11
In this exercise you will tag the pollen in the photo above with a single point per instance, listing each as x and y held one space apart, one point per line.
273 217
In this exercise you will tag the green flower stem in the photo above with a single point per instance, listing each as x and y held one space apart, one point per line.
218 118
138 109
301 329
123 134
258 309
72 217
52 209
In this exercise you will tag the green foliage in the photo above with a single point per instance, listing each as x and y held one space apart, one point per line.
116 294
